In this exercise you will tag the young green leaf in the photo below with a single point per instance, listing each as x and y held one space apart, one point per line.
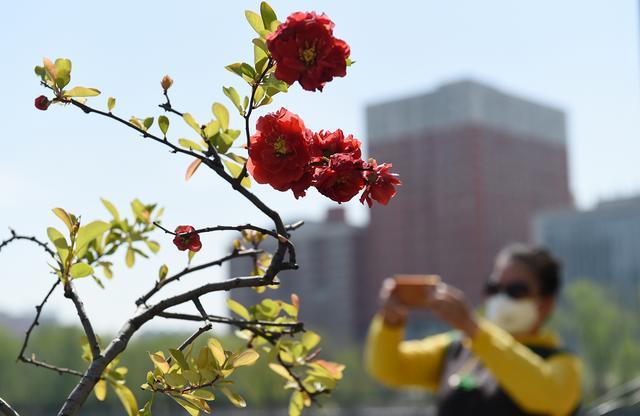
234 97
190 144
217 351
100 390
222 114
59 242
238 308
130 258
63 72
90 232
281 371
111 103
163 122
203 394
296 404
82 92
79 270
255 21
235 171
111 208
127 399
189 407
64 216
233 397
160 363
148 122
268 15
179 357
247 357
188 118
162 273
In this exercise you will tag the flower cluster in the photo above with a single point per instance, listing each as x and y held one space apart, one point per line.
306 51
286 155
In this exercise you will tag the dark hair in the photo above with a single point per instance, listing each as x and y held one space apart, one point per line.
539 261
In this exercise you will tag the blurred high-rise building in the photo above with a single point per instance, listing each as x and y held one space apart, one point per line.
477 163
600 244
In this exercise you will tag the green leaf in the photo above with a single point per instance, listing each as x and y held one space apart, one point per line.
234 97
212 129
189 407
296 404
130 258
255 21
127 399
148 122
88 233
111 208
59 242
40 71
203 394
139 210
222 114
217 351
100 390
268 15
162 273
192 122
235 172
244 70
281 371
175 379
190 144
82 92
179 357
111 103
153 246
65 217
240 159
159 362
238 308
63 72
233 397
247 357
79 270
163 122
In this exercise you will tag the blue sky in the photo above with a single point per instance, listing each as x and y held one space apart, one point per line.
579 55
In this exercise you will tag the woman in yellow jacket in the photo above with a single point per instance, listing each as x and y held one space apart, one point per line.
505 364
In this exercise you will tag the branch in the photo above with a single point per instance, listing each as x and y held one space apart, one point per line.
167 105
70 292
15 237
159 285
7 410
241 323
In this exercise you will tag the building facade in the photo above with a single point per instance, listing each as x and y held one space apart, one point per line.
601 244
476 165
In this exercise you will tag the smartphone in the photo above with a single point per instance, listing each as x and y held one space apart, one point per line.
414 290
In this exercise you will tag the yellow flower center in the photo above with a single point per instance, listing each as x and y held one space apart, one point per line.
308 54
280 147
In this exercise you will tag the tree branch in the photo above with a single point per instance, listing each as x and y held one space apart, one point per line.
70 292
159 285
7 410
15 237
240 323
167 105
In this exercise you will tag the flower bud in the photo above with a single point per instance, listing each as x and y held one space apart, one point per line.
166 82
42 103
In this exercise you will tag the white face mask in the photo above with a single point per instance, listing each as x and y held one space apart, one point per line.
513 315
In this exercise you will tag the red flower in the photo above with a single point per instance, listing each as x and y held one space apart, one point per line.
185 241
279 149
381 184
306 51
328 143
42 103
342 179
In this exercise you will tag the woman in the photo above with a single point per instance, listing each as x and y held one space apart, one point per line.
505 364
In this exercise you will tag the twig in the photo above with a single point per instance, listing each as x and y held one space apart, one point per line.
194 336
159 285
70 292
6 409
294 326
167 106
15 237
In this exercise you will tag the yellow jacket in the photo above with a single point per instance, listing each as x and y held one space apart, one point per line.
550 386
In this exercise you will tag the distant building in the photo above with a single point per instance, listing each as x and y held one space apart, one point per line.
477 164
602 244
328 281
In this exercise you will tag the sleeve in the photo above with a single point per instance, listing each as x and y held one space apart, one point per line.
550 386
395 362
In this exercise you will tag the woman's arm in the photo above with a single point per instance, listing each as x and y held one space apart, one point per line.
550 386
396 363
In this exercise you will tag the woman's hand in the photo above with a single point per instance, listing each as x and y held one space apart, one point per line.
450 305
393 312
